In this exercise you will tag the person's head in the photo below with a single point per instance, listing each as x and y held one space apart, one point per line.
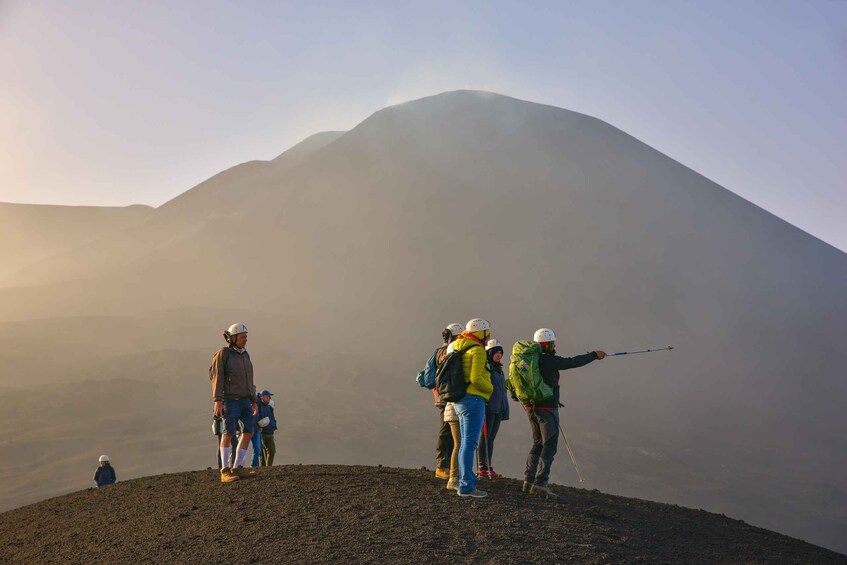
104 460
494 350
265 395
451 332
236 335
479 328
546 338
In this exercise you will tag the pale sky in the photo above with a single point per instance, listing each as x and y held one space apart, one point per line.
115 103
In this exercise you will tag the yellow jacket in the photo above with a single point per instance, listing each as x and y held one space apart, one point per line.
475 367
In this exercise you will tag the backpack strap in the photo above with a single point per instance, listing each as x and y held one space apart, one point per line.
224 359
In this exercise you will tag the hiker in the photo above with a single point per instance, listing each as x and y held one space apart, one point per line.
544 414
231 374
451 420
256 440
444 447
496 410
267 423
105 474
218 430
470 408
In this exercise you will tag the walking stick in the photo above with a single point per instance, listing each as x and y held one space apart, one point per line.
668 348
570 452
485 445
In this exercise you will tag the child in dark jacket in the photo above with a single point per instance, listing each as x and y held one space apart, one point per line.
496 410
105 474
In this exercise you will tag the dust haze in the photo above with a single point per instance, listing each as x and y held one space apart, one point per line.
347 254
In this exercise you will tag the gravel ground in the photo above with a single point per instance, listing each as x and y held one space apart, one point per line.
323 514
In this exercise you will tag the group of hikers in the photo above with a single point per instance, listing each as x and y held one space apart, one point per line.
471 391
240 413
470 388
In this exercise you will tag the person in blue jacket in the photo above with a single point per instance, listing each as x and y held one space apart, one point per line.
267 423
105 474
256 440
496 410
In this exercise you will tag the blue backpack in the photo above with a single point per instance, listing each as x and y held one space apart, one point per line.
426 378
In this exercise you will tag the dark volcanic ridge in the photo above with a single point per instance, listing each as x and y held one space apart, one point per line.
323 514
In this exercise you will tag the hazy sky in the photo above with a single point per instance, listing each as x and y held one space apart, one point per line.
119 102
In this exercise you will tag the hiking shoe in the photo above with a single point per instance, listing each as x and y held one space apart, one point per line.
543 490
492 474
245 473
453 484
474 493
527 487
227 476
483 474
442 474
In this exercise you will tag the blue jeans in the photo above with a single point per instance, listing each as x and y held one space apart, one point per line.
471 412
238 409
256 440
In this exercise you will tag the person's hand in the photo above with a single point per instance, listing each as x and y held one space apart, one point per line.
219 408
600 354
255 408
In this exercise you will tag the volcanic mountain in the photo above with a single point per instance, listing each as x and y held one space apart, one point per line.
347 254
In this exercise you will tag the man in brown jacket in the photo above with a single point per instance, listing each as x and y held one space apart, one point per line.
231 374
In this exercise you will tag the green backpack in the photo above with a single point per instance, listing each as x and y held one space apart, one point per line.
525 383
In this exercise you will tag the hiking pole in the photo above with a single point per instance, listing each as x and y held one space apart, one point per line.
570 452
485 445
668 348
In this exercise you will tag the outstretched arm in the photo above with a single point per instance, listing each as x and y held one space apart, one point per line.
564 363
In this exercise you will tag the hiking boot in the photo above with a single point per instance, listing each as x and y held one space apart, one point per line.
245 473
527 487
474 494
442 474
453 484
543 490
227 476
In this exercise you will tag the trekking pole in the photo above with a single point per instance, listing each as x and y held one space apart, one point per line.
570 452
668 348
485 444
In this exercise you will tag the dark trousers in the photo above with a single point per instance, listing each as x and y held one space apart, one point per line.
545 440
444 445
268 449
485 452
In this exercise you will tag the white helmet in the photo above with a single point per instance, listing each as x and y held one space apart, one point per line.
236 329
477 325
455 328
492 343
543 335
104 459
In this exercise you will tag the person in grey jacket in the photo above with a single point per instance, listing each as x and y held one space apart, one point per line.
496 410
234 394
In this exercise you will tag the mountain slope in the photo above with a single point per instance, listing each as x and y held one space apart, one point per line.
30 233
314 514
472 204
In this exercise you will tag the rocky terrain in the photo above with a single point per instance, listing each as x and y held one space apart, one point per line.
338 514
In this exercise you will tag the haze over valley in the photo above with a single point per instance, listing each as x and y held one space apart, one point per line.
347 255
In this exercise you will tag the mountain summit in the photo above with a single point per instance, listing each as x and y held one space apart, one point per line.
335 514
